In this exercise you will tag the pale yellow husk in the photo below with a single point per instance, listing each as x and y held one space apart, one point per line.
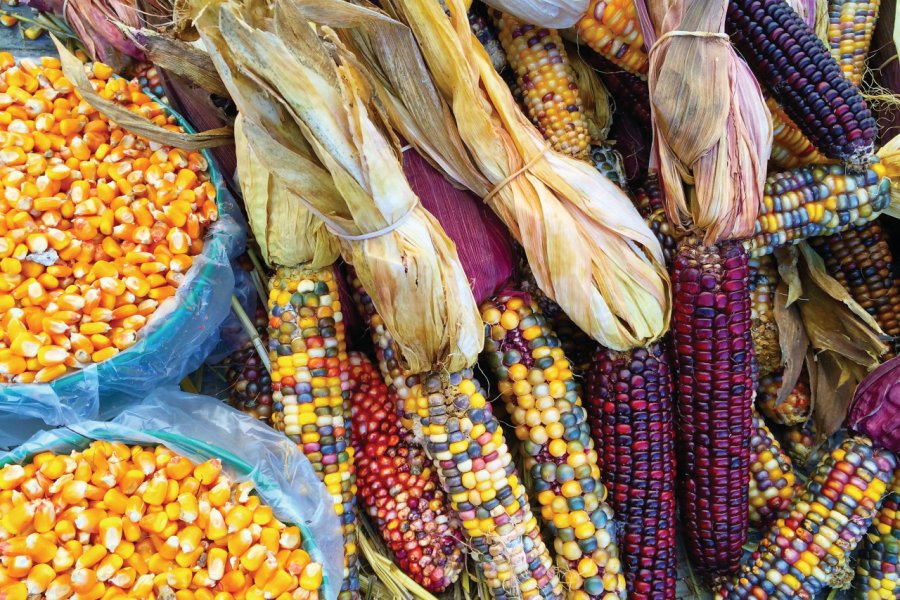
889 154
311 122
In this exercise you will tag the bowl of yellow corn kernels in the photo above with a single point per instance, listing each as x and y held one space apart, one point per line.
113 267
116 519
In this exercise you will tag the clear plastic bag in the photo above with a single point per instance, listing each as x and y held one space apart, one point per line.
201 428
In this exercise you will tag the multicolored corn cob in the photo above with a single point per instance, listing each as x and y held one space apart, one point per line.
398 486
763 282
612 30
794 410
790 147
799 441
540 395
648 200
608 161
817 200
547 81
861 260
251 383
311 390
851 24
714 353
488 38
148 77
630 91
468 447
631 412
878 565
803 77
772 479
799 553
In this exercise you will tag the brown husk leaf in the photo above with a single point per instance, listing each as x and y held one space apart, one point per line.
311 121
711 128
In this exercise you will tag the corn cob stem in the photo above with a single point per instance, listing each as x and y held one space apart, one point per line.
772 479
539 391
861 260
799 553
310 389
398 486
467 445
878 566
629 404
711 326
611 29
817 200
547 82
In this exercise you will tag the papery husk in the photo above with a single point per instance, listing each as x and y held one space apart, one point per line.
889 154
711 127
555 14
311 120
842 341
589 249
595 99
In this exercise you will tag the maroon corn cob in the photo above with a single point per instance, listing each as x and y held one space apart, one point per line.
630 91
804 78
714 350
629 404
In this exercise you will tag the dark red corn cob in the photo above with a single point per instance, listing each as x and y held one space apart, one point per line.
630 91
398 486
714 352
629 403
807 81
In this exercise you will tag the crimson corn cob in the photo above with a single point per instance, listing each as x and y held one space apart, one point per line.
398 487
817 200
794 410
251 383
547 82
542 400
648 200
310 389
772 479
878 566
799 441
631 412
612 30
861 260
714 353
803 77
851 24
467 445
763 282
799 553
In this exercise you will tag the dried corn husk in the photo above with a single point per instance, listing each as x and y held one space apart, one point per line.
554 14
594 97
589 248
889 154
311 121
711 128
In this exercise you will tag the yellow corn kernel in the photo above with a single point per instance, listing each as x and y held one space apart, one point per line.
39 579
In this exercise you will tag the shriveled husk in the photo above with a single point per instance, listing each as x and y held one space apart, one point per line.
594 96
711 128
554 14
311 121
889 154
588 247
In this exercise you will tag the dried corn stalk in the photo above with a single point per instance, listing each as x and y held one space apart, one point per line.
711 128
589 248
311 121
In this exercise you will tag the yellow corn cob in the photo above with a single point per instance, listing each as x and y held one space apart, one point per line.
763 281
547 82
310 389
772 478
611 29
851 24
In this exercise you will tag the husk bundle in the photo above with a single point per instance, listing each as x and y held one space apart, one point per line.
589 248
310 120
711 128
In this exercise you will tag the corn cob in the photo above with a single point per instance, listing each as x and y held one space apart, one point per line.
790 147
817 200
609 162
772 478
308 351
794 410
861 260
488 38
851 24
148 77
539 392
630 91
611 29
799 441
251 383
878 566
648 200
803 77
629 403
711 328
468 448
799 553
547 82
763 282
398 487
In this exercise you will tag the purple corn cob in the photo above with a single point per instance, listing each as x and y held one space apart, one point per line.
804 78
629 90
711 327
